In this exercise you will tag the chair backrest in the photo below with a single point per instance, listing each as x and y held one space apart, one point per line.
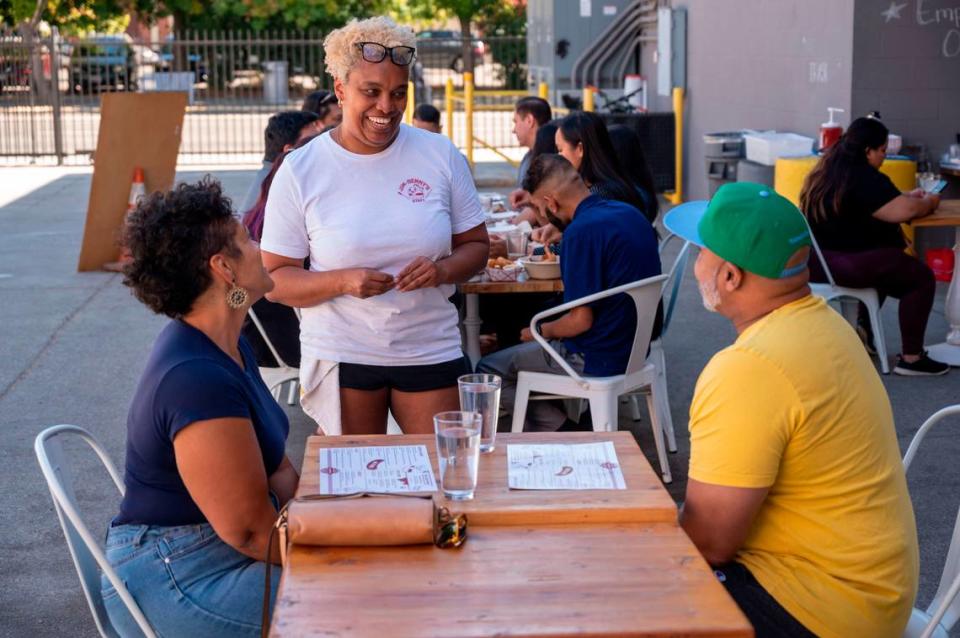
816 249
672 285
88 557
266 339
945 606
646 297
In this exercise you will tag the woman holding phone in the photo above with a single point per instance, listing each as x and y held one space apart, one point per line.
855 213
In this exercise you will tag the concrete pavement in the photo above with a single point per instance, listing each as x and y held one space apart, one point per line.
73 346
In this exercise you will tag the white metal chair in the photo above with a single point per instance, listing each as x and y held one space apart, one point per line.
657 356
276 378
88 556
603 393
944 610
868 296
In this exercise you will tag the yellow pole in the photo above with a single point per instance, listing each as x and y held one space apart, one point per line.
588 99
676 196
544 91
468 105
448 98
411 103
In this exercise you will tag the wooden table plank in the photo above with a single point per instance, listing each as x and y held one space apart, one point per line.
585 580
644 500
495 287
947 214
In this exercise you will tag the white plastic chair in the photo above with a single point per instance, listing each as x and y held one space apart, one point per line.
88 557
603 393
944 610
657 356
276 378
868 296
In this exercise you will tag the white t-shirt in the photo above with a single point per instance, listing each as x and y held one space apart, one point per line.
375 211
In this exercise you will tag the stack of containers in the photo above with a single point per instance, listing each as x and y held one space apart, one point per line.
721 152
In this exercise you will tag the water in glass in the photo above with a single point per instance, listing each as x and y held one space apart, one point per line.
481 393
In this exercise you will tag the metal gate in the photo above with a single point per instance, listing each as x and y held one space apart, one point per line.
50 88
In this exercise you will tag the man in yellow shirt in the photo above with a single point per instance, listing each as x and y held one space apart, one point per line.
796 492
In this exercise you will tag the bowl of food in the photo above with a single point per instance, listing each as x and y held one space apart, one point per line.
503 269
541 266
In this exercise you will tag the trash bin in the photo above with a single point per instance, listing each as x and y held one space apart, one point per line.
748 171
722 152
276 90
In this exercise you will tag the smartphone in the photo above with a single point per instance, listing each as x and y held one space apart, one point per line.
938 187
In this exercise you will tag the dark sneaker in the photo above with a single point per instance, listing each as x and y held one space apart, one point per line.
922 367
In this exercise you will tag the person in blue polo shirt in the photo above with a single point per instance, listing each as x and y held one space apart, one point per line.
606 244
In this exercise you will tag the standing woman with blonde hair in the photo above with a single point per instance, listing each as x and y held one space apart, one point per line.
390 219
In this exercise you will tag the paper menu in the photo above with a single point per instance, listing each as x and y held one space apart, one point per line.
581 466
389 468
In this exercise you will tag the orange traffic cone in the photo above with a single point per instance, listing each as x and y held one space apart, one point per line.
137 190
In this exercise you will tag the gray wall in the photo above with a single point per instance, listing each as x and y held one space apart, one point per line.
908 68
762 64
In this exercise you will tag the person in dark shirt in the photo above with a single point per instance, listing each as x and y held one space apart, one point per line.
855 213
206 468
606 244
629 152
283 130
280 322
582 139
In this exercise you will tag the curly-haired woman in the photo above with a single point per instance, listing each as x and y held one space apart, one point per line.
206 468
390 219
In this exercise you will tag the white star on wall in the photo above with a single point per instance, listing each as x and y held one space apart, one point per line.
893 13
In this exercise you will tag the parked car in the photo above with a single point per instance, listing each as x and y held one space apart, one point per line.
14 63
444 49
110 63
194 61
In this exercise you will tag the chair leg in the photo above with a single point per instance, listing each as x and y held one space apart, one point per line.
520 404
657 428
292 392
879 340
574 408
659 390
635 412
605 410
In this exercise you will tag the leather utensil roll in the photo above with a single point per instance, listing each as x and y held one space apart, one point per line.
361 521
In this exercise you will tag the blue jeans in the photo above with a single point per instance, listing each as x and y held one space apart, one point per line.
186 581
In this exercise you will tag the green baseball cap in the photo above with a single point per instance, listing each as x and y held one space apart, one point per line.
747 224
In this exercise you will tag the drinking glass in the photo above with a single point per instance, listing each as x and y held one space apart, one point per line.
458 453
516 243
481 393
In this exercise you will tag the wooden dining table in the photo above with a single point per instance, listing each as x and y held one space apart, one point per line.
472 291
947 215
536 563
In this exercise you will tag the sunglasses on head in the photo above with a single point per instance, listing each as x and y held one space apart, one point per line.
375 52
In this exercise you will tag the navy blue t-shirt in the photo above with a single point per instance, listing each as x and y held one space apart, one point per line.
188 378
607 244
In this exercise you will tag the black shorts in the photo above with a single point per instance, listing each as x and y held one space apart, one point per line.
356 376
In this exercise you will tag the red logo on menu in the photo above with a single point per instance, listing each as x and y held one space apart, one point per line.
414 189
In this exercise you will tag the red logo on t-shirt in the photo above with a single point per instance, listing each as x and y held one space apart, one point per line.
414 189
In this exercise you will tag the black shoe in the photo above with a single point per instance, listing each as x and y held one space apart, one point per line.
922 367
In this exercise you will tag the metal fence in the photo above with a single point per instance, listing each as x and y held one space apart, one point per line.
50 88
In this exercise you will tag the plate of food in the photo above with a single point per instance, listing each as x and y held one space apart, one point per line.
503 269
546 266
